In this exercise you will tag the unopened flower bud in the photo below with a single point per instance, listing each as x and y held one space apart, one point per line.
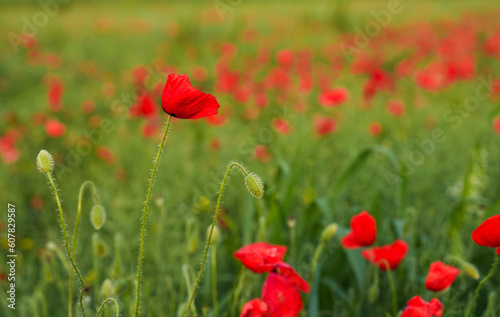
159 200
291 222
254 185
107 289
98 216
471 270
215 234
44 162
329 232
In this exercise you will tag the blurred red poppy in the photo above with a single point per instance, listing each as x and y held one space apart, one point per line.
488 233
56 89
145 106
183 101
387 256
55 128
417 307
106 154
282 126
324 125
496 125
8 149
282 298
440 276
395 108
261 153
256 308
375 128
258 256
363 231
334 97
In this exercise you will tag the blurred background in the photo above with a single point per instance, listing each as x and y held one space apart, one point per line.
339 106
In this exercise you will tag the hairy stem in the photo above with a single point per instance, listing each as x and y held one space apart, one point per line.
75 233
209 240
144 212
214 280
68 253
117 307
492 271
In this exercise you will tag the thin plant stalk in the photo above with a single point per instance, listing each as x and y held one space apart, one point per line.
65 235
393 292
144 212
117 307
75 234
209 240
486 278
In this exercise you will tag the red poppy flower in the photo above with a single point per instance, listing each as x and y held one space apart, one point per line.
257 256
440 276
282 298
8 150
282 126
256 308
363 231
55 128
496 125
285 57
139 74
216 120
395 108
417 307
388 256
375 128
145 106
487 234
183 101
334 97
106 154
324 125
55 94
291 276
261 153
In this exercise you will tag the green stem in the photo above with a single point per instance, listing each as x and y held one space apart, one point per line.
75 233
117 307
233 290
143 228
214 280
317 253
492 271
207 247
393 291
68 253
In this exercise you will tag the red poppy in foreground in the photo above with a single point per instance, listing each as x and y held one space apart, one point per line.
282 298
260 256
417 307
183 101
440 276
363 231
256 308
292 277
388 256
488 234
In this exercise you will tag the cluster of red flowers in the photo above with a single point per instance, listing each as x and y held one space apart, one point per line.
280 293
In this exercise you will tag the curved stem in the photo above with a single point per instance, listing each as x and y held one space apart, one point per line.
143 228
214 280
68 253
317 253
492 271
117 307
209 240
75 233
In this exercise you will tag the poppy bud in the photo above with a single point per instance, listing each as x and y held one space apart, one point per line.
51 246
471 270
254 185
159 200
329 232
215 234
373 292
98 216
291 222
44 162
106 288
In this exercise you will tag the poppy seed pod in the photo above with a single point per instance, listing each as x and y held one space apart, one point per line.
254 185
44 162
98 216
